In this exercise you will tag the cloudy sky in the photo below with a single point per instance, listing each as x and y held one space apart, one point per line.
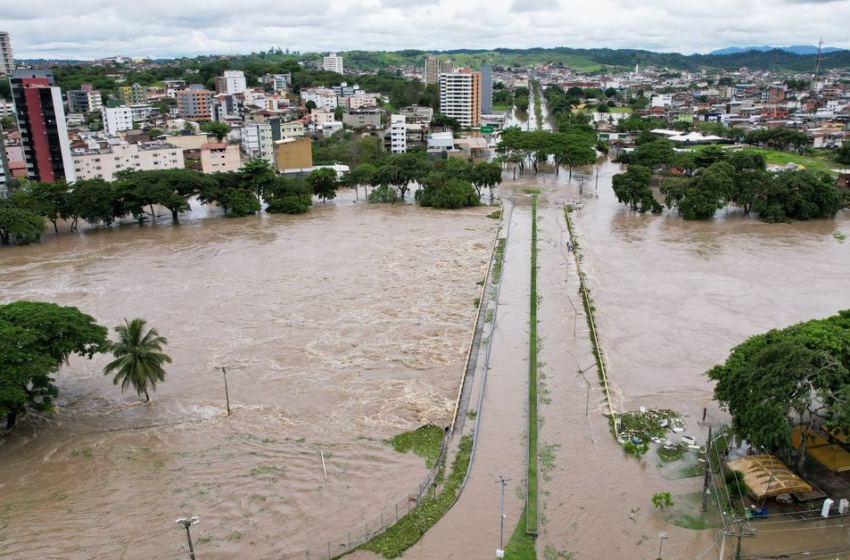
89 29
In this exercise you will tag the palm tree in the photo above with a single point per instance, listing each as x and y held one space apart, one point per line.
138 357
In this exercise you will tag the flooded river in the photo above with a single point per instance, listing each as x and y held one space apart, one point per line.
339 328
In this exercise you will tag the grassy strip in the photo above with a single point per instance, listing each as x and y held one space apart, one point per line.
396 539
500 259
425 441
521 545
620 110
531 498
538 110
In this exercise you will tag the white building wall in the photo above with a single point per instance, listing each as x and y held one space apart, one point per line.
62 129
332 63
104 165
116 119
398 134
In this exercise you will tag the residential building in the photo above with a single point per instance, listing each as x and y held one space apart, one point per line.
486 89
257 142
417 114
142 113
293 153
398 134
279 82
332 63
195 103
105 157
233 81
84 101
294 129
135 94
4 168
359 100
446 67
41 120
219 158
431 70
228 107
324 98
116 119
361 118
460 96
7 61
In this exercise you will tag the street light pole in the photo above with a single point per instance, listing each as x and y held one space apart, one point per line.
188 522
503 482
662 537
226 392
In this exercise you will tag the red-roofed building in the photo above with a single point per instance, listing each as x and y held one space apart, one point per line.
220 157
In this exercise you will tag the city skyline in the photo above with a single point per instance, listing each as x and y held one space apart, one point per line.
92 29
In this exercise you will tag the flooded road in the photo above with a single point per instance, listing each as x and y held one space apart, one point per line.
339 328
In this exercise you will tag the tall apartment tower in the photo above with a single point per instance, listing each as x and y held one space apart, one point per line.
446 66
233 81
486 89
41 120
7 61
432 70
460 96
332 63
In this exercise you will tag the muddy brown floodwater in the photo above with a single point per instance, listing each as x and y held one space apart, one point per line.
339 328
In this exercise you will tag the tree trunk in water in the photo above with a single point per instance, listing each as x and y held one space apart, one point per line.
153 216
174 215
147 397
55 226
10 420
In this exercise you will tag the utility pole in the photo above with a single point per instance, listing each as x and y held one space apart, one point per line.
597 179
503 482
708 472
188 522
226 392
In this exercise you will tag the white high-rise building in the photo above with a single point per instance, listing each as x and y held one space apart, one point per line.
116 119
233 81
332 63
398 134
7 61
460 96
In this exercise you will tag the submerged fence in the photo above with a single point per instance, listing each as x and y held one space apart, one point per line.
362 534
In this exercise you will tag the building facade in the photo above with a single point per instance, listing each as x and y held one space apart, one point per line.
116 119
486 89
361 118
41 120
324 98
220 158
84 101
398 134
432 70
332 63
293 153
446 66
135 94
104 163
7 60
233 81
460 96
257 142
195 103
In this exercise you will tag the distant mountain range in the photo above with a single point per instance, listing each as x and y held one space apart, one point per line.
795 49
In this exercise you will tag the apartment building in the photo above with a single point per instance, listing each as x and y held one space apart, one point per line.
359 101
233 81
109 157
257 142
116 119
84 101
398 134
7 61
332 63
41 119
486 89
361 118
195 103
135 94
293 153
460 96
324 98
220 158
432 71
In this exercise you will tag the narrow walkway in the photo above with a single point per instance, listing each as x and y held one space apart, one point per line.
471 529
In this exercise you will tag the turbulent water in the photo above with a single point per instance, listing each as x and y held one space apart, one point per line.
338 328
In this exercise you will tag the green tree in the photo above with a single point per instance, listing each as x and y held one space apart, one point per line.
399 170
256 175
796 376
216 128
45 199
95 201
310 105
486 174
36 339
288 196
750 186
324 183
138 357
632 189
842 154
708 191
23 226
362 175
230 192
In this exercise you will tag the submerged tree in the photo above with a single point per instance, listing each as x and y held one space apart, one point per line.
138 357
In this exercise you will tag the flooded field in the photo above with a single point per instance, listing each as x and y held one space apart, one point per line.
339 328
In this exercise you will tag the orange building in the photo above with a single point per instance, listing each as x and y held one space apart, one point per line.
195 104
460 96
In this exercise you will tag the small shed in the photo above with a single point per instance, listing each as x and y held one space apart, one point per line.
767 476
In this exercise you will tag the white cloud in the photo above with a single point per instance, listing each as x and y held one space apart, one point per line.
165 28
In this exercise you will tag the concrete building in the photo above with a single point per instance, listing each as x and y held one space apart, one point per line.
324 98
135 94
446 67
4 168
195 103
257 142
116 119
432 71
398 134
460 96
7 60
278 82
84 101
293 129
106 158
486 89
233 81
219 158
361 118
188 141
332 63
293 153
417 114
41 120
359 101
